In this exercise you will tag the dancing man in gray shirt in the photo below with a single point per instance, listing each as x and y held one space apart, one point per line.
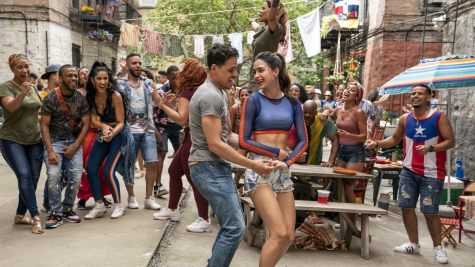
211 150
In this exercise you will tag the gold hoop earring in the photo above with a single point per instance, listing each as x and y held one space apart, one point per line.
109 86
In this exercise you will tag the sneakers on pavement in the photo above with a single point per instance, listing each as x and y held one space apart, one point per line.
46 207
151 204
53 221
107 202
200 226
98 211
118 211
70 216
132 203
440 255
408 248
166 213
81 205
159 190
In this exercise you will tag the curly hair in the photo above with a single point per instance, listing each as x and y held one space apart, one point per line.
303 93
282 17
191 76
149 74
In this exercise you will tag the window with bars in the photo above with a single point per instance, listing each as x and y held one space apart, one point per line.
76 50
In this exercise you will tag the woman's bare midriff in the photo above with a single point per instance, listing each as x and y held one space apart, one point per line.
272 140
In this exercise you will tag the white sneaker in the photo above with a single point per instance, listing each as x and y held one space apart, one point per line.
200 226
132 203
151 204
408 248
98 211
118 211
166 213
440 255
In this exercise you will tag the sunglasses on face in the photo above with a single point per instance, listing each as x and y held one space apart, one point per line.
137 115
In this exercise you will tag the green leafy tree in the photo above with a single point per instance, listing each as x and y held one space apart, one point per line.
231 16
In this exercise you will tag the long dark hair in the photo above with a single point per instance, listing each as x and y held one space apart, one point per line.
303 92
91 90
276 60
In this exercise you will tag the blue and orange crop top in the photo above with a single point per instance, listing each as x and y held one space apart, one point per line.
262 115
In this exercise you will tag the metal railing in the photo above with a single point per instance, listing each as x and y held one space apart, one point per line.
126 10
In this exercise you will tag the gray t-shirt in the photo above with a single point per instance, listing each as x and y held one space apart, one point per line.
207 100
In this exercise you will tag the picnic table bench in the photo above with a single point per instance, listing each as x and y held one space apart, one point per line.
365 211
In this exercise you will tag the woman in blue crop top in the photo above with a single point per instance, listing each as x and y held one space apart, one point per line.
266 119
108 111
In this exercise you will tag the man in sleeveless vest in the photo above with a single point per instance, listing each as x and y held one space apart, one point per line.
427 136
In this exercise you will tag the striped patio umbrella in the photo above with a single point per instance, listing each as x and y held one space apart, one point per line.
440 73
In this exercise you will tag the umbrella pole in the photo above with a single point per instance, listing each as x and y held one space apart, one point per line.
449 161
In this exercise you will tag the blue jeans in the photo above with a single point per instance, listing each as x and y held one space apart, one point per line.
53 171
172 133
64 181
411 185
26 164
214 181
352 153
147 143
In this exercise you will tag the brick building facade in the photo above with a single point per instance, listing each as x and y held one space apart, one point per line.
389 41
47 31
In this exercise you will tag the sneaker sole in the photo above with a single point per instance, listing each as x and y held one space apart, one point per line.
71 221
98 216
200 231
117 217
162 194
81 208
133 208
150 208
166 218
54 226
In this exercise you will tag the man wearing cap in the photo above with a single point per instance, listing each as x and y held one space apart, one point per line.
310 89
328 103
318 93
51 74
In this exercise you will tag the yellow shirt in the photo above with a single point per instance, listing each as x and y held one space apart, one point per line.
43 93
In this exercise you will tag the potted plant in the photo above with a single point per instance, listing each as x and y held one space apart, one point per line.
93 35
87 10
105 35
335 79
351 63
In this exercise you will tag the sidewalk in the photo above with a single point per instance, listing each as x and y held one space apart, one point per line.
128 241
193 249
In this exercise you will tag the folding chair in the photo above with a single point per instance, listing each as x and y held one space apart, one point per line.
460 209
447 226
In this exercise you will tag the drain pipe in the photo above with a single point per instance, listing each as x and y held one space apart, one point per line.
26 28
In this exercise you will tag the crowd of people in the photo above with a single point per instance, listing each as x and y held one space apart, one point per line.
86 125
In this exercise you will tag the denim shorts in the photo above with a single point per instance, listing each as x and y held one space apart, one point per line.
278 180
352 153
411 185
172 133
147 143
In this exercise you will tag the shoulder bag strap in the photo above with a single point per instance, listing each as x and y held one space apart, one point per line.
63 106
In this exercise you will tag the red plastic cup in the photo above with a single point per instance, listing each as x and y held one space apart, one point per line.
323 196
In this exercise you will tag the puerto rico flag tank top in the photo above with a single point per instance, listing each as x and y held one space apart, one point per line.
424 132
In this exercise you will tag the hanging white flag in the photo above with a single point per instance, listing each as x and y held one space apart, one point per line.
286 50
309 27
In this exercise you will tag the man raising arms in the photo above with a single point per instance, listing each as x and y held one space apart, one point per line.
427 136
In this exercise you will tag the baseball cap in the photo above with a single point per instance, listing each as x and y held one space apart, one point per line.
50 69
318 91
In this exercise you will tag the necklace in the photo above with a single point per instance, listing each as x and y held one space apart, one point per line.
102 103
423 116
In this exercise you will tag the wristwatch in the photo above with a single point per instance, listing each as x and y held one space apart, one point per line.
431 149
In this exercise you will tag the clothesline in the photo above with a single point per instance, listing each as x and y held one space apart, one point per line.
214 12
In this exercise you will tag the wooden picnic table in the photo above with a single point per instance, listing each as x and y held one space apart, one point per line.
305 172
381 168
